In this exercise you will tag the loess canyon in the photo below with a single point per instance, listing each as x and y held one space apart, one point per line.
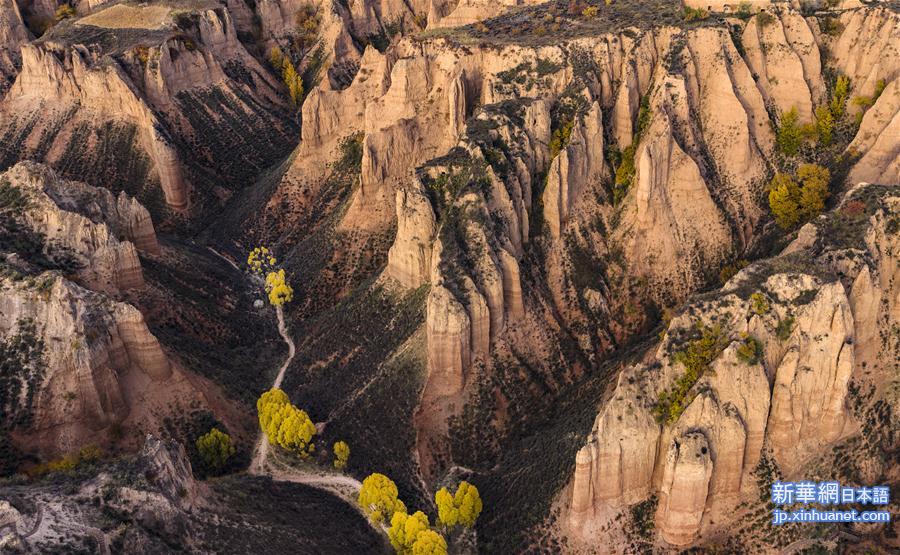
616 266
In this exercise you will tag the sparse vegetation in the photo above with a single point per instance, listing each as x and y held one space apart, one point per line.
22 368
64 11
308 21
764 19
695 14
730 270
625 172
784 328
560 138
750 350
696 357
759 304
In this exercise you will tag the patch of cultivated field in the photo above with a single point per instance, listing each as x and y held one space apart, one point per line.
122 16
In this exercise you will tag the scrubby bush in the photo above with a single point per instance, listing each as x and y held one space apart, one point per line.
784 328
64 11
764 19
695 14
590 12
308 21
750 351
560 138
730 270
215 448
759 304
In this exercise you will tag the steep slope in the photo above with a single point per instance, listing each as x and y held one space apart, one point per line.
173 110
13 35
555 193
98 231
783 350
153 503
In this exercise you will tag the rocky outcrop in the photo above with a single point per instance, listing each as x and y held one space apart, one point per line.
782 346
782 51
69 78
91 348
13 35
456 145
185 110
877 138
98 228
167 468
577 166
685 485
409 260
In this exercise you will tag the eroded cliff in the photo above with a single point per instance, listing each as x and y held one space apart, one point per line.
758 371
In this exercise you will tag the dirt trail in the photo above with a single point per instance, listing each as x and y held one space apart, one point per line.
345 487
262 443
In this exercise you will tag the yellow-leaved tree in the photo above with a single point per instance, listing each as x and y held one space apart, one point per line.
279 290
784 200
461 508
405 529
284 424
429 542
341 454
261 261
215 449
296 432
814 193
378 498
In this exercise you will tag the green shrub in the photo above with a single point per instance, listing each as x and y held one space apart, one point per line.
215 448
824 125
784 201
839 96
626 170
730 270
695 14
750 351
560 138
696 358
784 328
790 134
764 19
64 11
759 304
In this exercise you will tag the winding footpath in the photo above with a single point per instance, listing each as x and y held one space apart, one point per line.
345 487
261 450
